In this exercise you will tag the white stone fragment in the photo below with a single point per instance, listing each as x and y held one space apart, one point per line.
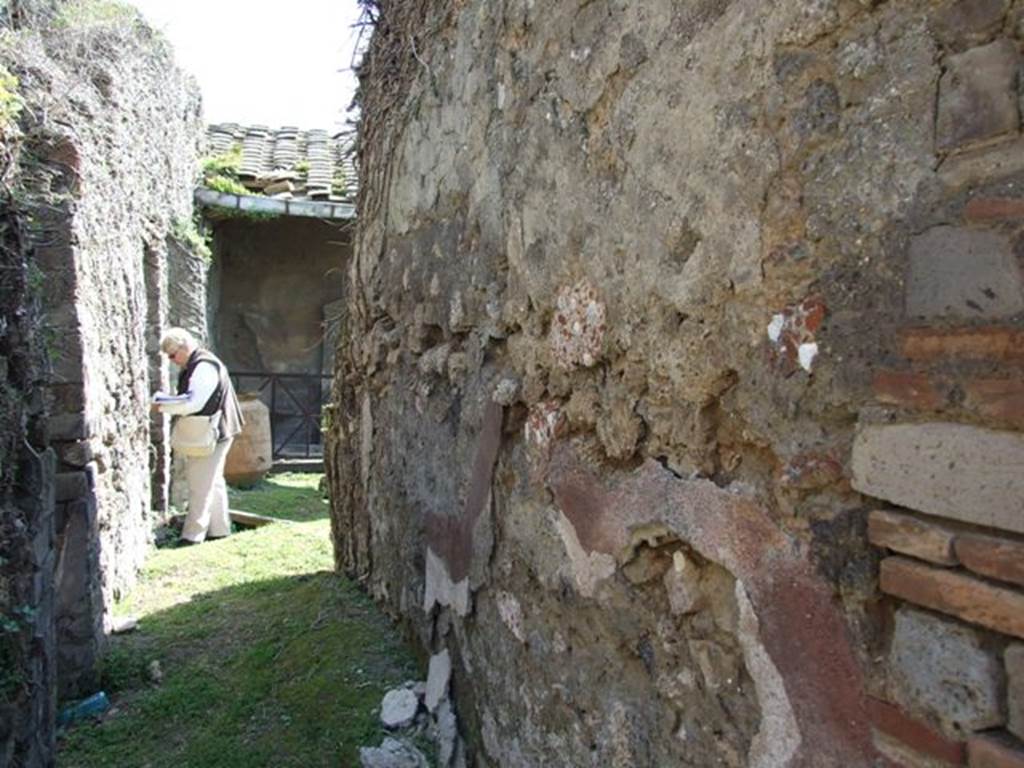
682 583
392 753
778 736
439 589
447 733
807 353
398 709
439 674
123 624
775 327
511 614
506 391
588 569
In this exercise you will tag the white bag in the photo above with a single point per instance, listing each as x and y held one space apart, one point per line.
194 435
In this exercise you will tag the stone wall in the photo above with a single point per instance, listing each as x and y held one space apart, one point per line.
27 558
661 315
111 140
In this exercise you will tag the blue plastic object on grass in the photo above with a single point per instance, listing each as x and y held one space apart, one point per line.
95 705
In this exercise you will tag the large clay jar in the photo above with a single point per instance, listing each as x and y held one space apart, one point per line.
251 454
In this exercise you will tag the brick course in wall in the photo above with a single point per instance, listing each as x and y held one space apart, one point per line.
960 549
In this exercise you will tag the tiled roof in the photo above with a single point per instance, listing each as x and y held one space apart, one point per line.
287 162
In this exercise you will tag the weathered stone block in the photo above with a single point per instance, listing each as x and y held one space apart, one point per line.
68 426
977 96
954 593
939 667
991 556
66 398
75 454
983 164
990 343
912 535
1013 660
955 272
952 470
71 485
994 751
968 22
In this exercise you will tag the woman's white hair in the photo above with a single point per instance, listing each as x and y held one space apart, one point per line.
176 338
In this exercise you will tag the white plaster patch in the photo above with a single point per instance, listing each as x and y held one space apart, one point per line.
793 332
366 441
439 589
778 738
588 570
807 353
511 613
438 675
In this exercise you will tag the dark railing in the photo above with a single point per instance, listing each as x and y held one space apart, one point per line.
295 401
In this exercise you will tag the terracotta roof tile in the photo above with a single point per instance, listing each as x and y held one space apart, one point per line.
313 160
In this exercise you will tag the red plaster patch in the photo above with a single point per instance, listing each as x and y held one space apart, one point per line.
801 627
450 537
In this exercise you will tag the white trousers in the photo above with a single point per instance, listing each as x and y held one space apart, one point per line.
207 495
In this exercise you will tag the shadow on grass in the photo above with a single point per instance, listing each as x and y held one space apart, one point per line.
285 671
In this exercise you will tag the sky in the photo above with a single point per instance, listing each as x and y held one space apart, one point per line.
264 63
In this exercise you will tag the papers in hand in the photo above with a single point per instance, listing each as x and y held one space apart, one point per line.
161 398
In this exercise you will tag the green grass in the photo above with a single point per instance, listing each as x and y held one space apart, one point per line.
288 496
268 658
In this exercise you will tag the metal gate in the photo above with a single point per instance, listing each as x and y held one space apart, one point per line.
295 401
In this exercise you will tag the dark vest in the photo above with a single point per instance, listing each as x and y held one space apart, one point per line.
222 400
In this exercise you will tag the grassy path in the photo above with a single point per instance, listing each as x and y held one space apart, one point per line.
266 658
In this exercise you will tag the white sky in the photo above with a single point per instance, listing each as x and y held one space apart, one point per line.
264 62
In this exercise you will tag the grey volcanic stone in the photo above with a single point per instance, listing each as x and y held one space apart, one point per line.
956 272
392 754
398 709
447 733
939 668
1013 659
977 95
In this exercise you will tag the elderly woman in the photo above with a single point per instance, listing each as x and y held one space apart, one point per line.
204 382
